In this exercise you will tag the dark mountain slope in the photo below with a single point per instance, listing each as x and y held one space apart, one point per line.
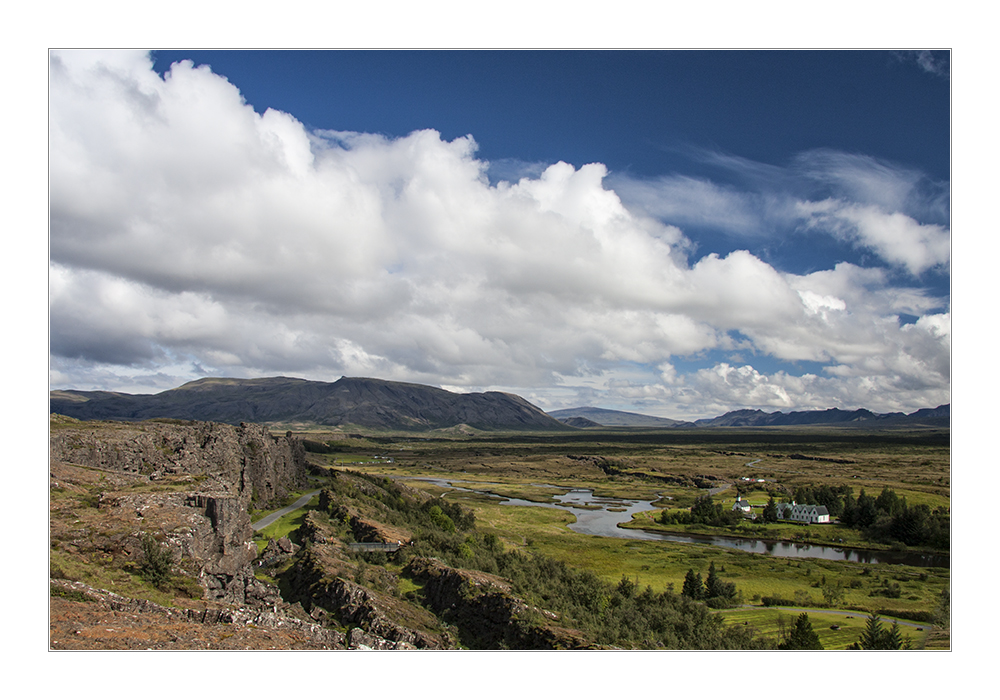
610 418
372 403
940 416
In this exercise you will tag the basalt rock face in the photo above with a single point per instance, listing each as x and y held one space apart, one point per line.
484 608
323 580
245 461
189 485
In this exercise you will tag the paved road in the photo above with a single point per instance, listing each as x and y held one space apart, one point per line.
862 616
264 522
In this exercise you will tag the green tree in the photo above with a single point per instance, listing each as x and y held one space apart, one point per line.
441 519
693 586
876 636
894 639
770 513
627 587
832 593
865 510
871 638
705 510
801 636
157 561
715 587
849 512
888 502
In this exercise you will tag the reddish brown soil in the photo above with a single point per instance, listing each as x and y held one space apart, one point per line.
92 625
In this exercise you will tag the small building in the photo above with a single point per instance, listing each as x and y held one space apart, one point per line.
743 506
802 513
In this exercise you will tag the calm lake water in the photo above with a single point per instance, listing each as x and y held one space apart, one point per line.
610 512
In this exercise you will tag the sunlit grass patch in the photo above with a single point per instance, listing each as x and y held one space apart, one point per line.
769 621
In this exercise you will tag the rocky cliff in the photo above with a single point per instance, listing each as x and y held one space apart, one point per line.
330 584
244 461
485 610
189 485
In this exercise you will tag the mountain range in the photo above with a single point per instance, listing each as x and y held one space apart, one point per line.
369 403
601 417
381 404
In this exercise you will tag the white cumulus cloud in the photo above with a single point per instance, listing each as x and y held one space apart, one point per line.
190 231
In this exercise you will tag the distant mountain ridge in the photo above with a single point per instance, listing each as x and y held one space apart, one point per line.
382 404
363 402
931 416
608 418
940 416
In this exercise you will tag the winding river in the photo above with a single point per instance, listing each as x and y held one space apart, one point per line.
604 520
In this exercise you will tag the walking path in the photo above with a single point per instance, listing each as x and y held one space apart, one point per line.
264 522
847 613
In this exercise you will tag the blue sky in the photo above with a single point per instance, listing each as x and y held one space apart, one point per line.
677 233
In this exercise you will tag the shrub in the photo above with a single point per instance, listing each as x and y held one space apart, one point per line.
69 594
917 615
441 519
157 561
722 603
771 601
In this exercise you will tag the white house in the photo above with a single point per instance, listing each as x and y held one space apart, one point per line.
743 506
802 513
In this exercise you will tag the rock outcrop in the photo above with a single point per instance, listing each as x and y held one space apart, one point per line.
245 460
145 624
321 580
487 613
222 470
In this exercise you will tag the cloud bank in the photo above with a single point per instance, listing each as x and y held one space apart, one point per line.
191 235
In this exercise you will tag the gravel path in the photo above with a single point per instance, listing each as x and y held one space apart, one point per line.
264 522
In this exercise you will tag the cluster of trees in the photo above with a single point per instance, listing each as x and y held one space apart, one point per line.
876 636
623 615
800 636
398 507
888 518
713 590
704 512
884 518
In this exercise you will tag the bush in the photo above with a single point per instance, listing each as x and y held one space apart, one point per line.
157 561
69 594
772 601
889 590
916 615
